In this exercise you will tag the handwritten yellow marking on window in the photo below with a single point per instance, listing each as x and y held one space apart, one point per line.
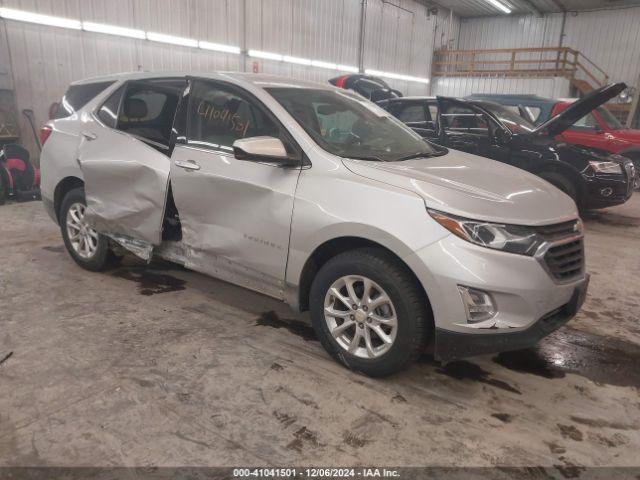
223 117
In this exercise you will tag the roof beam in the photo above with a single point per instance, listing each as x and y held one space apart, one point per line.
560 5
531 6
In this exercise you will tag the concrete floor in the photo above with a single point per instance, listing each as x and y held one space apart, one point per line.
159 366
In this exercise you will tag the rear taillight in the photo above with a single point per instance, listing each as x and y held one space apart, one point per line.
45 133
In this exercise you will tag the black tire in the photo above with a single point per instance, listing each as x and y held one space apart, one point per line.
4 190
103 257
412 312
561 182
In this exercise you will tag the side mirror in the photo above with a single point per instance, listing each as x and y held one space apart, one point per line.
263 149
502 136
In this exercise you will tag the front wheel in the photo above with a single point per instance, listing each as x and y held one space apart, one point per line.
88 248
368 312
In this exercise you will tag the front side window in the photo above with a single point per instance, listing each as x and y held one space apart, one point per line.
588 122
457 118
219 116
345 124
510 118
612 122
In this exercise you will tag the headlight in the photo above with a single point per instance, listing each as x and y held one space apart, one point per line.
605 167
508 238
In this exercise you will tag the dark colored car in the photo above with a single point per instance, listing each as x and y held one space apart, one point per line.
598 129
592 177
371 88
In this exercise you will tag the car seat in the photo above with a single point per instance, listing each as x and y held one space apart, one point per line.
16 161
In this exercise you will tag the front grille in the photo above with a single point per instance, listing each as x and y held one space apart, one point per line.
552 233
565 256
565 261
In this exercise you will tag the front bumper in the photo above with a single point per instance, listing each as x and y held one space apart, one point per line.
524 293
608 190
452 345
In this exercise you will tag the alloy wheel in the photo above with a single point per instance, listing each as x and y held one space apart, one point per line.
360 316
83 238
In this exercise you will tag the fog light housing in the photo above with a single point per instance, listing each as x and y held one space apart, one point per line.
606 192
477 303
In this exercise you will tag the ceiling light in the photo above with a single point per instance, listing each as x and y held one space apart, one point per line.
500 6
321 64
347 68
162 38
296 60
218 47
396 76
113 30
266 55
22 16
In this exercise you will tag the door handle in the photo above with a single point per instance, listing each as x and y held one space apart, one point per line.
188 165
89 136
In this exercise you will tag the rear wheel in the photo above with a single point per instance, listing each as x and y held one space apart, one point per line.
88 248
368 312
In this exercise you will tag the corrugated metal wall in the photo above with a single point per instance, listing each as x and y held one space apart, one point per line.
554 87
400 37
610 38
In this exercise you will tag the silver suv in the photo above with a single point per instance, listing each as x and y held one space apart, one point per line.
315 196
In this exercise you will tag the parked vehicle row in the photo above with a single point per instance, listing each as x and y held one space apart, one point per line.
317 197
576 152
592 178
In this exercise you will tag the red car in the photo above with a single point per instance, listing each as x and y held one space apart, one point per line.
600 129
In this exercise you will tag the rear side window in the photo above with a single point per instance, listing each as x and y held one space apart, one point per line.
78 96
147 111
108 112
412 113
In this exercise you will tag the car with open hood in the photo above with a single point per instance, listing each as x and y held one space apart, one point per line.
593 178
317 197
598 129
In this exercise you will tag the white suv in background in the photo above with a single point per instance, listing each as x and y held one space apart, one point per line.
317 197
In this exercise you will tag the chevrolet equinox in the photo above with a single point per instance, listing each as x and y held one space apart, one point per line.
315 196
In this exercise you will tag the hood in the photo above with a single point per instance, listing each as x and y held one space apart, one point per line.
474 187
577 110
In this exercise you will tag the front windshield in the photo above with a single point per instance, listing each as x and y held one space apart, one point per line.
611 121
510 119
347 125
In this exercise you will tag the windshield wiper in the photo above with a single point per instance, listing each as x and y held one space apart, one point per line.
370 157
414 155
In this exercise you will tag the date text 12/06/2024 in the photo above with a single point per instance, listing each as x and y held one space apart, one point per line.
315 473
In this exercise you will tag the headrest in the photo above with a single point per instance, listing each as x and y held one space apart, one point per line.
135 109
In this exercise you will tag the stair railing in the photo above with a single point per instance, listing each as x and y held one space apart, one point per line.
518 62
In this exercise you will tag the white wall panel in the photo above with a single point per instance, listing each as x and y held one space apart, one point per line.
509 32
460 86
400 37
610 38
